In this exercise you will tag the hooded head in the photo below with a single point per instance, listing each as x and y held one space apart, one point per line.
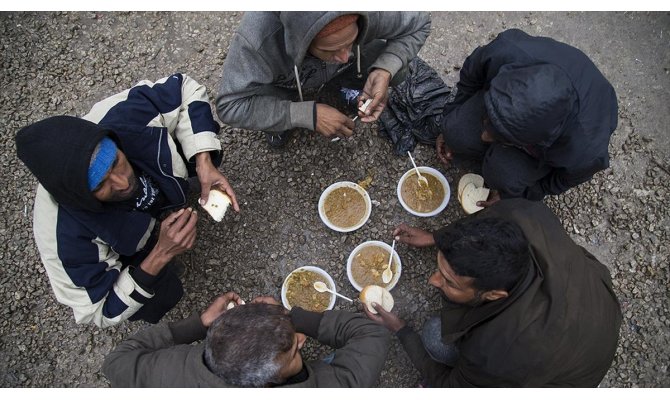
530 105
58 152
301 27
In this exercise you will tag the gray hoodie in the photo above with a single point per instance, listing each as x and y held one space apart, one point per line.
270 48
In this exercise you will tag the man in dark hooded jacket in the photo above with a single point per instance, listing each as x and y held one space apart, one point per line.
538 114
524 305
105 181
368 50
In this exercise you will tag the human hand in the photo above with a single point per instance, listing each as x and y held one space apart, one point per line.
177 232
218 307
416 237
332 123
210 177
444 153
494 197
266 300
388 319
376 88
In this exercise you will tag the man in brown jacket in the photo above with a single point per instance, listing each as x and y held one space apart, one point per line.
252 345
524 305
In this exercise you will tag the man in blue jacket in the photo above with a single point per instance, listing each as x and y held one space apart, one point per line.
105 182
537 113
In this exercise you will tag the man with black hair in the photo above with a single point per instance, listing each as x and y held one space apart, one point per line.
251 345
106 181
275 56
524 306
535 113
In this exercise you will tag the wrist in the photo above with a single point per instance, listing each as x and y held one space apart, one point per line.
155 261
384 73
203 160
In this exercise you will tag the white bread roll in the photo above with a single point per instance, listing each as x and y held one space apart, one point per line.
217 204
471 190
476 180
377 294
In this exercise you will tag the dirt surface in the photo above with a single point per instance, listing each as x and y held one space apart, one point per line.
61 63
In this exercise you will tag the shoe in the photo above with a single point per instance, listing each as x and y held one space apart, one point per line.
177 266
277 139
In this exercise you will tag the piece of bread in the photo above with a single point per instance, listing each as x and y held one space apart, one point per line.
476 180
471 190
217 204
377 294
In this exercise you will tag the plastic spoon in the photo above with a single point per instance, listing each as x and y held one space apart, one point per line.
422 179
335 139
388 274
321 287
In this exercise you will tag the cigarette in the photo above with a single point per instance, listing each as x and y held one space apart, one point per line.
365 105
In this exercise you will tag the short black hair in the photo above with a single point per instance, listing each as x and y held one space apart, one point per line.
493 251
243 344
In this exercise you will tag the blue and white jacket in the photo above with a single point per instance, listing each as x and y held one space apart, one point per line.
161 125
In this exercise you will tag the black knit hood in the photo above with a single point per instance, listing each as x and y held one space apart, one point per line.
58 150
531 105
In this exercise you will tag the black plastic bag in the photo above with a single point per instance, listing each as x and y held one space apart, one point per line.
415 108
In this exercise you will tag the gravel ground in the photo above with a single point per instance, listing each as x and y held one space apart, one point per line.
61 63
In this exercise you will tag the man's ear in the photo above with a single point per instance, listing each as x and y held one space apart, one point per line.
493 295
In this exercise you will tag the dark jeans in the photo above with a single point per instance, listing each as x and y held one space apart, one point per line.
431 336
168 291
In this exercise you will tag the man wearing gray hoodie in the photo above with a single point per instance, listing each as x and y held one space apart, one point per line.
370 50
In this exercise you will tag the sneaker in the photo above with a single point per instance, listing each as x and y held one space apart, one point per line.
277 139
177 266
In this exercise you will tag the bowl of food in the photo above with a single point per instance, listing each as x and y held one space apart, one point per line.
344 206
367 263
423 200
298 289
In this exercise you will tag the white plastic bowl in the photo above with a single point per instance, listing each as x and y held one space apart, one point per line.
336 185
387 247
328 280
443 181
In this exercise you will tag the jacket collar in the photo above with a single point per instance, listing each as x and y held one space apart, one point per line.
458 319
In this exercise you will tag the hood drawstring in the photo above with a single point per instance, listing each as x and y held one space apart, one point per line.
358 61
297 80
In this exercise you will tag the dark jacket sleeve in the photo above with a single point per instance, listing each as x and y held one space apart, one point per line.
361 348
404 32
437 374
136 361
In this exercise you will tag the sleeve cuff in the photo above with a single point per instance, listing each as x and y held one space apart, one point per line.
404 332
146 281
302 114
389 62
306 322
198 143
188 330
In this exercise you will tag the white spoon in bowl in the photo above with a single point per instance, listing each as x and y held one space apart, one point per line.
422 179
388 274
321 287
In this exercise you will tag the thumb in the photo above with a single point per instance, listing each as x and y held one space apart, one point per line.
204 194
379 309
